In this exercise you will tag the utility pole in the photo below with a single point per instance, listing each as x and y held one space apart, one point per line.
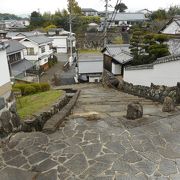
70 28
105 22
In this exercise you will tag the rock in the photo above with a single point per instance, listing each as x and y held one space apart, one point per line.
5 119
121 85
134 110
168 105
114 82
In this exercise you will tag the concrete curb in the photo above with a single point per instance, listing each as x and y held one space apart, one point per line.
54 122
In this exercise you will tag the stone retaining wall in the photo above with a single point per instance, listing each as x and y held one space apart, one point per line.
53 123
9 119
154 92
37 123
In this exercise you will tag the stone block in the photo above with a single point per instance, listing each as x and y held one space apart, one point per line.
2 103
134 110
168 105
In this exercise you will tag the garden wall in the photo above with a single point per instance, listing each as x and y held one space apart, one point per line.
153 92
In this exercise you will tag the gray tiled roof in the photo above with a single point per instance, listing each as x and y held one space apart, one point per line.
128 17
88 10
158 61
90 57
120 53
27 34
39 39
123 57
116 49
14 46
168 59
21 66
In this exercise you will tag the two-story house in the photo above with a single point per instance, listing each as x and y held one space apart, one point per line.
5 82
18 65
38 50
89 12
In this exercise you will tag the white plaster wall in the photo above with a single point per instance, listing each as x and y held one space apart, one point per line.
162 74
94 79
30 44
4 69
90 66
116 69
60 42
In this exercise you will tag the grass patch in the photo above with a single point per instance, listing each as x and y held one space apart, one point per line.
32 104
84 51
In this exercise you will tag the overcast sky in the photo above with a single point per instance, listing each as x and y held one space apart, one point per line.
27 6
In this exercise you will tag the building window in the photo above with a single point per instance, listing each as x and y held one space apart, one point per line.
14 57
30 51
116 22
50 46
42 49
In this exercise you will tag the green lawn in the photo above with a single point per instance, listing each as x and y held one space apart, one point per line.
32 104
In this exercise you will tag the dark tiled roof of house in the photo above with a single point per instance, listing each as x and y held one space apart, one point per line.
129 17
14 46
120 53
168 59
21 66
39 39
88 10
158 61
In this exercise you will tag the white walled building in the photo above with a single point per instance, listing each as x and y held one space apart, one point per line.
5 83
38 50
126 19
61 40
116 57
89 12
90 68
164 71
18 65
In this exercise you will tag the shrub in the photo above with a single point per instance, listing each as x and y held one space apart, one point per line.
21 87
33 88
29 90
37 87
45 87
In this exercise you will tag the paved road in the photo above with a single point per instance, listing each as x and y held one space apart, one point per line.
65 77
98 143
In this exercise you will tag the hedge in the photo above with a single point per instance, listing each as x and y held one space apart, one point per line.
27 89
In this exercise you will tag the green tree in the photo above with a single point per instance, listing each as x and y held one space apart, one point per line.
73 7
160 14
36 20
174 10
46 29
121 7
147 47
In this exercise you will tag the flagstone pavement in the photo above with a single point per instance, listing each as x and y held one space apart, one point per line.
96 142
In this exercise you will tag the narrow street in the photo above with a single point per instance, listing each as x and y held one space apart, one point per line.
65 77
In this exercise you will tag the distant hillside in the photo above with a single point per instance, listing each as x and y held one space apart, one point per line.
6 16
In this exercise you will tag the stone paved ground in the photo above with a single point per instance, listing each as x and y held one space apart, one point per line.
97 143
